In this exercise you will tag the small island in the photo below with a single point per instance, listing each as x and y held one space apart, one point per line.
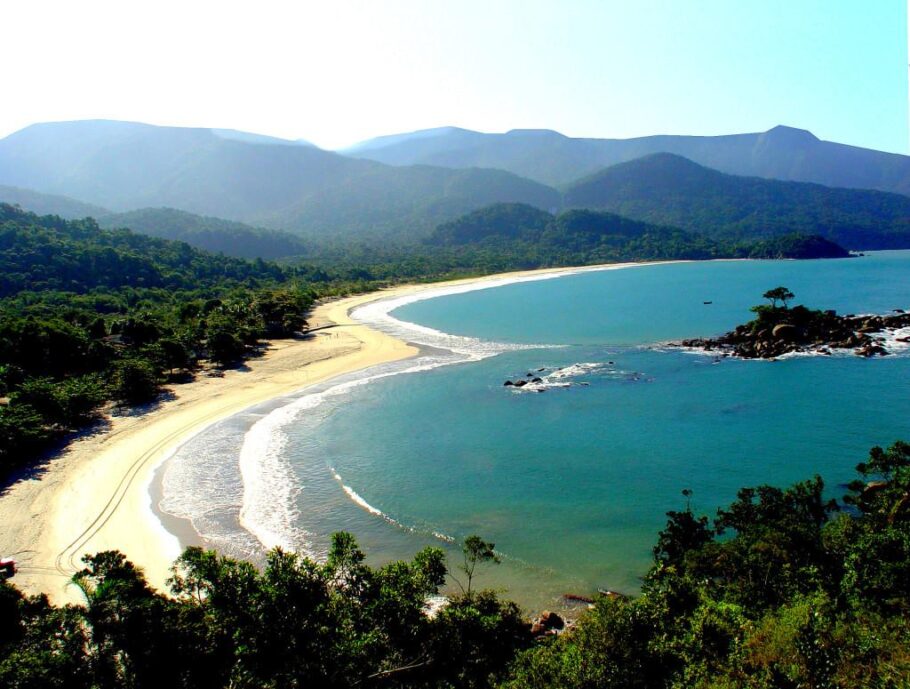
779 329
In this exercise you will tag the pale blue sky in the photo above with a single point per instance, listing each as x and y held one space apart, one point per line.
341 71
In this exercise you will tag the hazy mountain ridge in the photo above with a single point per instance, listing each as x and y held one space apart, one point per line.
672 190
236 180
124 166
215 235
552 158
49 204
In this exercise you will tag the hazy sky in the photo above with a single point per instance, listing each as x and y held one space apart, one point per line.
338 71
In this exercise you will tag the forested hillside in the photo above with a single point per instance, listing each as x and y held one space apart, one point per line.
669 189
89 315
210 234
578 237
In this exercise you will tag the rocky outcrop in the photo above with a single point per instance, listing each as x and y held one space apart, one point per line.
547 623
801 330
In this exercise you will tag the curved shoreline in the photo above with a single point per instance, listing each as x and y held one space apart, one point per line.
96 494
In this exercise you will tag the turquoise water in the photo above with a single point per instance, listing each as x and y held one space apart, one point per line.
572 485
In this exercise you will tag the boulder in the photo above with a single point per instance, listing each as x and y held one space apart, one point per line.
520 383
551 620
536 379
508 383
785 331
537 629
871 350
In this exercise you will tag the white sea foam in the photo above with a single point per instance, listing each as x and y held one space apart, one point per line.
270 487
568 376
355 497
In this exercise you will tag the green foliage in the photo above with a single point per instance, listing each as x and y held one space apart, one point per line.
134 381
135 311
778 294
475 551
296 623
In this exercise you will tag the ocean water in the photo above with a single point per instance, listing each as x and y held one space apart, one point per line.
571 480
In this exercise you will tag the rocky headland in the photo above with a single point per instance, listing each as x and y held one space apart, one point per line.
779 330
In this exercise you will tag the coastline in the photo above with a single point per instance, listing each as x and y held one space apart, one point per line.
97 494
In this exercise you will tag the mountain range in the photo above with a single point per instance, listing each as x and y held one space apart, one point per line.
552 158
125 166
234 183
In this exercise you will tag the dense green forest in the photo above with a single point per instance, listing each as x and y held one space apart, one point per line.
782 589
89 316
585 236
671 190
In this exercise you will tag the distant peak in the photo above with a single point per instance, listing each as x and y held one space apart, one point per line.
420 134
535 132
785 133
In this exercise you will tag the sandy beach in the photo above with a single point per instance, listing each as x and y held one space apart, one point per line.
95 495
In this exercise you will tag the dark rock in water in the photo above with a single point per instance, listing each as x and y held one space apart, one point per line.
609 363
520 383
529 375
508 383
575 598
542 368
536 380
899 311
612 594
872 350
